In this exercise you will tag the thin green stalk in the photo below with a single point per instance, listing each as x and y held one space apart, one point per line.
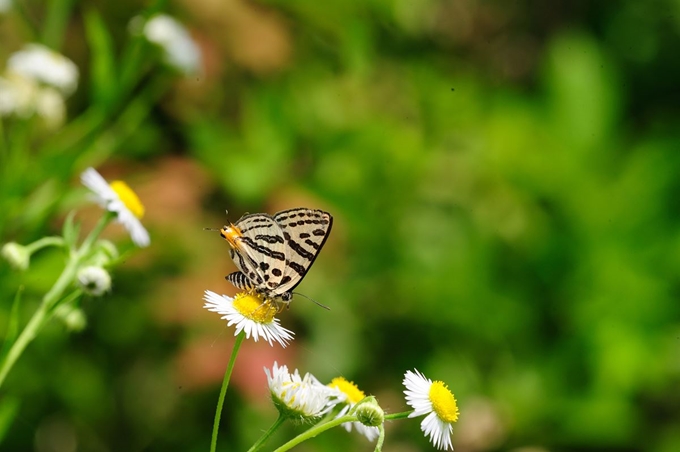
317 429
263 439
394 416
3 143
223 391
43 242
381 438
94 235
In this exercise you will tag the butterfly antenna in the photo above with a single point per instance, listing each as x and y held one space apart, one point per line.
313 301
211 229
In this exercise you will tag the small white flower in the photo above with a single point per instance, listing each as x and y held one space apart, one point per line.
179 48
250 313
94 280
117 197
41 64
436 401
301 398
350 395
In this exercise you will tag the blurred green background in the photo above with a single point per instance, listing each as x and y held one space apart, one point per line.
504 182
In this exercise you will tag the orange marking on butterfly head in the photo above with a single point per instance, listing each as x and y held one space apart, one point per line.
231 234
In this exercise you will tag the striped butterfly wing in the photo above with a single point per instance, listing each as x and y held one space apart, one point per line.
305 232
259 253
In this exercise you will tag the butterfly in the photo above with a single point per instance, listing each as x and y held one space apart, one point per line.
274 253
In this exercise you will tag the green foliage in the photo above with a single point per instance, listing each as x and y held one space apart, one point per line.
504 182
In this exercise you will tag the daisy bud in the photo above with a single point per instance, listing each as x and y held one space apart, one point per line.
105 252
353 398
74 318
17 255
369 412
94 280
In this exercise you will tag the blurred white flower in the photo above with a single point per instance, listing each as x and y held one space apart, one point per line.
5 5
50 105
23 97
18 96
39 63
179 48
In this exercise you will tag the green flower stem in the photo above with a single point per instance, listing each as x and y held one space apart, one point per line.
44 242
45 311
317 429
94 235
223 391
263 439
394 416
381 438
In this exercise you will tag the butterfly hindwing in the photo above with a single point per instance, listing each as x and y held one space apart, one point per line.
260 251
305 232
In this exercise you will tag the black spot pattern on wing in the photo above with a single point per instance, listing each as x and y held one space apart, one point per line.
263 249
295 246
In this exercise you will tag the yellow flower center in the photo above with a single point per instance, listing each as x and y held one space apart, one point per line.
255 307
129 197
353 393
443 402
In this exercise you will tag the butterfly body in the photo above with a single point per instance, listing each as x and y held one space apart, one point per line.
274 253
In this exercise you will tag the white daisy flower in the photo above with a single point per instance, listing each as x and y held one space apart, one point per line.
180 50
250 313
435 400
39 63
119 198
350 395
301 398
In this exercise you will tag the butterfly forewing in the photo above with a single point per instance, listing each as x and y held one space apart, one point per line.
305 232
261 251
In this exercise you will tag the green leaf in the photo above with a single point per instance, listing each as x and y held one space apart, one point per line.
104 86
56 21
71 230
9 407
12 327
